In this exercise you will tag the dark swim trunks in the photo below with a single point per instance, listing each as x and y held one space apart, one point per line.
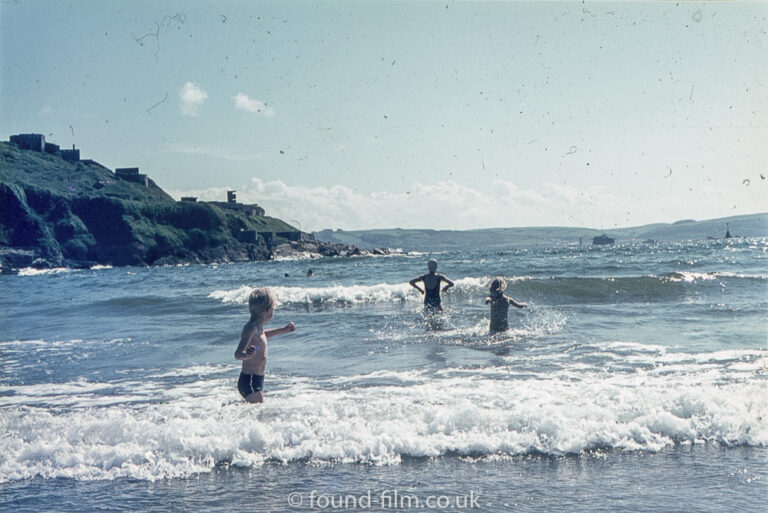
432 297
249 384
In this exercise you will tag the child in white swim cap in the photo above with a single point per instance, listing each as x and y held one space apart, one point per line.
500 302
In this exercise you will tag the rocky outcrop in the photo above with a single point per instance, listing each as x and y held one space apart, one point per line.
55 213
42 229
318 249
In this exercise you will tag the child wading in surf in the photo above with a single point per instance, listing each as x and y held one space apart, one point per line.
252 350
500 302
431 290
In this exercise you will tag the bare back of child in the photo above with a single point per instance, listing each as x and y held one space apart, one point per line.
253 347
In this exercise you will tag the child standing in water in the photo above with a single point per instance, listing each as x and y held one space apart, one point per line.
252 350
431 290
500 302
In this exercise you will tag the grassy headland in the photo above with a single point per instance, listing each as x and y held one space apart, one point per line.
80 213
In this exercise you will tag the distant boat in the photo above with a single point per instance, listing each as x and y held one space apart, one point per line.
603 239
728 232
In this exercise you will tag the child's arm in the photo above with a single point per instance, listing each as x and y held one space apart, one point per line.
413 283
515 303
288 328
244 351
445 279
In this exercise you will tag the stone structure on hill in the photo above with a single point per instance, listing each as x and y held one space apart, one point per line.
131 174
72 155
251 210
36 142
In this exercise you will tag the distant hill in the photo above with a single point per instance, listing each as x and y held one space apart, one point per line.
755 225
54 212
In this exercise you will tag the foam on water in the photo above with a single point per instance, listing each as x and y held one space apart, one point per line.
474 289
345 294
297 256
324 295
31 271
173 428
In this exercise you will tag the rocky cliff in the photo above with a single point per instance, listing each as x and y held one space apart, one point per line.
57 213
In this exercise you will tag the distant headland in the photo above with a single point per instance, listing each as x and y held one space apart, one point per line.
751 225
57 209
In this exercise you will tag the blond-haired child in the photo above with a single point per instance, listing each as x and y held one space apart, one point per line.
252 350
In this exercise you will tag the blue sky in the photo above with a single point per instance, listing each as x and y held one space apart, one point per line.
450 115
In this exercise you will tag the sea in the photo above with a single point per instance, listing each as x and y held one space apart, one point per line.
635 380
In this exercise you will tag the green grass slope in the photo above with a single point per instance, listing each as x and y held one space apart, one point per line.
81 213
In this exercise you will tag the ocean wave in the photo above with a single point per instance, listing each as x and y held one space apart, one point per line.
324 295
351 294
383 417
296 256
631 288
475 289
31 271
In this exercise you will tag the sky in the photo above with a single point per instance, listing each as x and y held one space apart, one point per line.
424 114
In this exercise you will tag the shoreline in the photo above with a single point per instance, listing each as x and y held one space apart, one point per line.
619 481
14 260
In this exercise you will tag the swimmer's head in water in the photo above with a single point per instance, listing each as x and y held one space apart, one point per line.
260 301
498 285
432 266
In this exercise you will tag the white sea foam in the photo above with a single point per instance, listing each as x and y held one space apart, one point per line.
297 256
31 271
332 294
690 277
381 292
161 431
238 295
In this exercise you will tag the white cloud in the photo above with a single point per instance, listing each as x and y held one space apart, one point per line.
448 205
243 102
210 194
191 97
442 205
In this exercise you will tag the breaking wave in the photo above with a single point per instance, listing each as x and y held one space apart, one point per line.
666 398
554 289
